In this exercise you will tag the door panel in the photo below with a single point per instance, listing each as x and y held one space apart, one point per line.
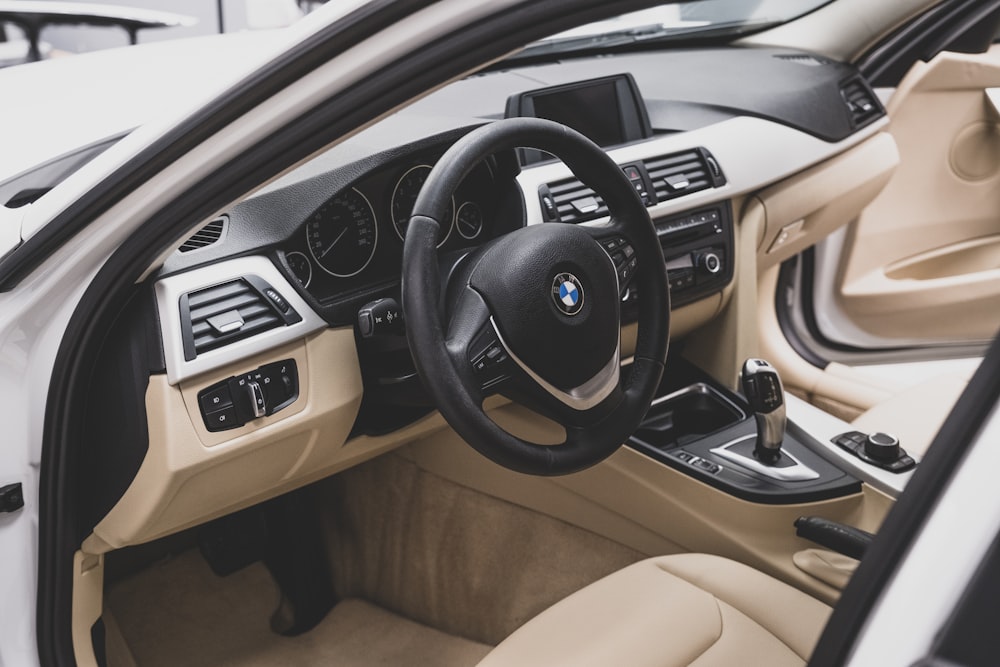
922 262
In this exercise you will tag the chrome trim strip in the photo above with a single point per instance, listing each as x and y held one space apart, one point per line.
588 394
796 473
168 293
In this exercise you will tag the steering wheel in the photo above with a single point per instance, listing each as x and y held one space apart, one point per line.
536 314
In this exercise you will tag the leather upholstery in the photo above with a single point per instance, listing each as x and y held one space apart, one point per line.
688 609
915 415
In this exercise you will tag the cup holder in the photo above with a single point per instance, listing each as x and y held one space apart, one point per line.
687 415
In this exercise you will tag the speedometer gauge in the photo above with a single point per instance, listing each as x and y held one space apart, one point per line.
404 196
342 234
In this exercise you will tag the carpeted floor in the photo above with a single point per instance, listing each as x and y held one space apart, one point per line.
179 613
451 557
430 573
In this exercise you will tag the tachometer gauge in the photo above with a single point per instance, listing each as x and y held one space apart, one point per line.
342 234
469 220
404 196
300 266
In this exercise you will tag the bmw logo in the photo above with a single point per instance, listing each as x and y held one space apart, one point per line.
567 293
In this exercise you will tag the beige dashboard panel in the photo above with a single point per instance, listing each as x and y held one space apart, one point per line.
923 261
649 506
809 206
190 475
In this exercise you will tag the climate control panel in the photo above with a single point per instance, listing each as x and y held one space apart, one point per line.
237 400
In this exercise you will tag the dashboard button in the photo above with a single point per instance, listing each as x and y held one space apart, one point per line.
215 398
222 419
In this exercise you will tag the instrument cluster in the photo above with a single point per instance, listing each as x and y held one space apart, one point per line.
354 240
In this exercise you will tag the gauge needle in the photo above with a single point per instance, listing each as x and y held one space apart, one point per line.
330 247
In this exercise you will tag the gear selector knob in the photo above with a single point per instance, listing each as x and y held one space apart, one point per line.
762 387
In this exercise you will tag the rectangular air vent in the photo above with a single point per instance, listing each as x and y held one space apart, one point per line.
575 202
222 314
206 236
806 59
680 174
861 102
670 176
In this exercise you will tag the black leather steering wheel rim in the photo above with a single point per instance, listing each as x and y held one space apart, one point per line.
437 345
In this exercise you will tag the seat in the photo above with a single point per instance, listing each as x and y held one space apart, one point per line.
688 609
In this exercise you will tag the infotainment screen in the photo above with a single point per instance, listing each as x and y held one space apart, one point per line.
609 111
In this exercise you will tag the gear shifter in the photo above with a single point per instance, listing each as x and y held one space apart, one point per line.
762 387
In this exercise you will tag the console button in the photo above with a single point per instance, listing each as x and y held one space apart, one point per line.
882 447
280 383
215 398
222 419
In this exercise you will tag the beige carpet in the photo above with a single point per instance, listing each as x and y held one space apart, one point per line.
451 557
177 612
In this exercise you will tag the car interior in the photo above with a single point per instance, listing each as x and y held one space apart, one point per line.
471 386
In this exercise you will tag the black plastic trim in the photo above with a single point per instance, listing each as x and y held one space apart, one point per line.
906 519
109 290
969 637
952 25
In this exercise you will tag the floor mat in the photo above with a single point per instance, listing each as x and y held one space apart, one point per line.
178 612
452 557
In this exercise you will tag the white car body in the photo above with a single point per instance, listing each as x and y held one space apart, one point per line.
82 101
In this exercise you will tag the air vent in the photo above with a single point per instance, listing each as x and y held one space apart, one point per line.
231 311
575 202
802 59
658 180
206 236
681 174
861 102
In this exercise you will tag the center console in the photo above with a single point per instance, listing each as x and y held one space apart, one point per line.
710 433
698 251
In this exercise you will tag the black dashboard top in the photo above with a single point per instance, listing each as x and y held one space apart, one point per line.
360 186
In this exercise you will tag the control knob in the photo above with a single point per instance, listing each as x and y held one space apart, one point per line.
882 447
708 261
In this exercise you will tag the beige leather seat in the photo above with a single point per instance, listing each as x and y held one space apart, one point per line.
689 609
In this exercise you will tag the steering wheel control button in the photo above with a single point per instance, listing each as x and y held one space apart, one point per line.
488 358
623 257
567 293
234 401
878 449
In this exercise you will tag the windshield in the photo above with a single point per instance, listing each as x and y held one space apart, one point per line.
675 21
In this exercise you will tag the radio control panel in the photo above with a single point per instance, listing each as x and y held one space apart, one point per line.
698 251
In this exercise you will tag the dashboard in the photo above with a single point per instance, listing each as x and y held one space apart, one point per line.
279 295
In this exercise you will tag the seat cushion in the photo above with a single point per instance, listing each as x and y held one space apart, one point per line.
689 609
